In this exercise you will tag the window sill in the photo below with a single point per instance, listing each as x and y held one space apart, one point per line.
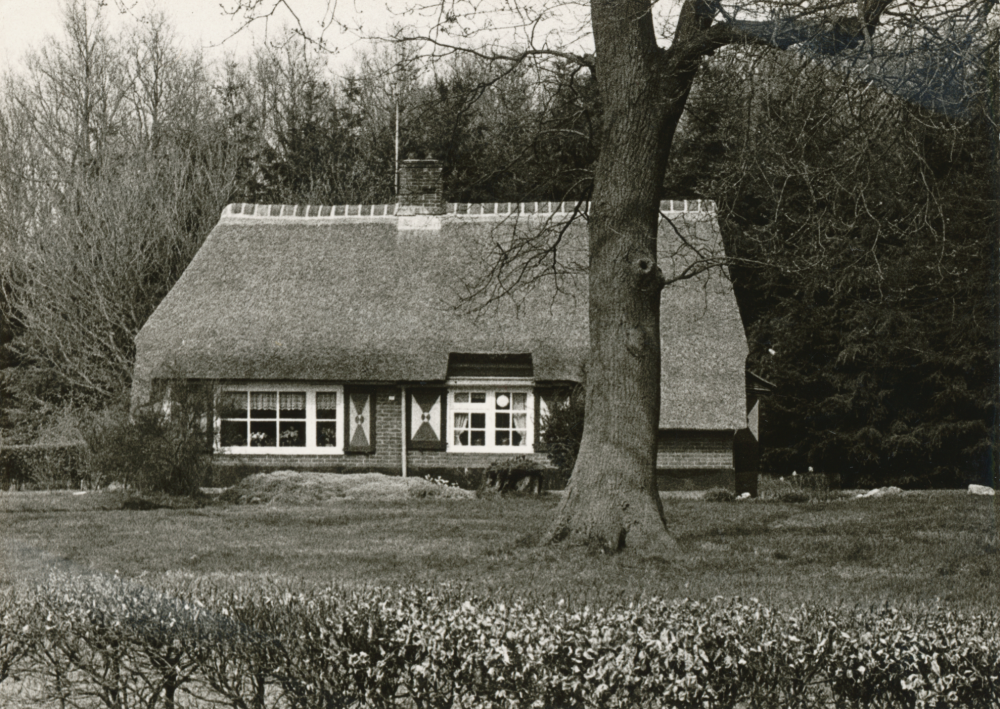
492 450
260 450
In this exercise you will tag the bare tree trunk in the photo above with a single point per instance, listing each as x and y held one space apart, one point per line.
612 499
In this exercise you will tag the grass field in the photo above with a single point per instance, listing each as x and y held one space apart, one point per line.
908 550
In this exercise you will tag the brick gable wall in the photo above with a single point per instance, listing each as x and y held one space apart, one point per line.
690 450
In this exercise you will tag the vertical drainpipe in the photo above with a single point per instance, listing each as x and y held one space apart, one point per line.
402 426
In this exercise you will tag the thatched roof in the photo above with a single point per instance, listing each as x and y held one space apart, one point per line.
348 294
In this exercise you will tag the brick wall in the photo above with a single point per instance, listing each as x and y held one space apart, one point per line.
388 428
690 450
387 457
678 450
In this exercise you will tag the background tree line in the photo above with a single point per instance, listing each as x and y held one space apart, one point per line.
862 206
860 213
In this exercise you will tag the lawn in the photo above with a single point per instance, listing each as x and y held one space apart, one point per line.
909 550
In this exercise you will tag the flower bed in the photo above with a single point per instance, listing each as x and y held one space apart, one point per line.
115 643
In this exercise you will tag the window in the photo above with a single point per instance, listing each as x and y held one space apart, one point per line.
280 420
491 420
326 419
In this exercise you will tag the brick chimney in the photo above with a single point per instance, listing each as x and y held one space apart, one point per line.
420 190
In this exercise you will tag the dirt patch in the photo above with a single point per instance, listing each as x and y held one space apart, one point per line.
287 487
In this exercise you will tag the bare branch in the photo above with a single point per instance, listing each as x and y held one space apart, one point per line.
511 58
821 33
521 257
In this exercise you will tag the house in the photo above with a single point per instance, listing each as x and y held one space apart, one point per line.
344 337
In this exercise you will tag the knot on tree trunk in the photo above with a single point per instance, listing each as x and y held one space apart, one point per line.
637 342
650 275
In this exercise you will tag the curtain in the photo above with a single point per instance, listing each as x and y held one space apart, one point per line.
326 401
263 401
461 428
233 404
293 401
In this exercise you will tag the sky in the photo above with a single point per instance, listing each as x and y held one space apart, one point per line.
26 24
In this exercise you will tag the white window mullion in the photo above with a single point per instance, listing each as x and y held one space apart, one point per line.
529 412
491 418
341 421
310 419
277 419
249 419
452 438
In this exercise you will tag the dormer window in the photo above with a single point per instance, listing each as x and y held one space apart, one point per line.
491 420
491 403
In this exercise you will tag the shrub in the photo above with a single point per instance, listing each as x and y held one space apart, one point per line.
718 494
44 466
186 641
157 449
561 432
520 474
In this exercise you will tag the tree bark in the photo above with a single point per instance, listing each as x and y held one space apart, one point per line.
612 499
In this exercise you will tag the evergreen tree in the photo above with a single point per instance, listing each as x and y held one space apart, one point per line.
860 219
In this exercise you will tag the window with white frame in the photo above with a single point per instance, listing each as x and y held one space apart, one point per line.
491 420
280 419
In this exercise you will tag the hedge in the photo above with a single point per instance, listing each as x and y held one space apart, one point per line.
113 643
43 466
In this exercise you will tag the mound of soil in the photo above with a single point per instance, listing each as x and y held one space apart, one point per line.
288 487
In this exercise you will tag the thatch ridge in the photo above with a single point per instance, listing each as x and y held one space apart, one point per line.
315 211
